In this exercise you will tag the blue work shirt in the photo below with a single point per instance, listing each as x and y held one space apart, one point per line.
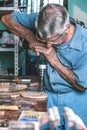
72 54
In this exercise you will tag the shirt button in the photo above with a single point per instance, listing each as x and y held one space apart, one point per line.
53 70
62 47
59 93
67 49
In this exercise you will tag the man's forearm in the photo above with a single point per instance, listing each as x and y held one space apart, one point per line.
67 74
18 29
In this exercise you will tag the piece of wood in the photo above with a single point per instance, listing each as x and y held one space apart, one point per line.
4 128
9 107
35 84
37 96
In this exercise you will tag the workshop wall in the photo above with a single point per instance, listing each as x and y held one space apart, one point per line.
78 10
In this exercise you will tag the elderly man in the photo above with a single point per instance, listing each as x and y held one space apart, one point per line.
64 44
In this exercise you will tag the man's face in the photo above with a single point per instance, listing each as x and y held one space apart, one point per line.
54 40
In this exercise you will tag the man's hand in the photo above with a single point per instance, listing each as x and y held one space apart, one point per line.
49 53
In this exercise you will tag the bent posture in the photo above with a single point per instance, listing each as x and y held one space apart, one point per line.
63 42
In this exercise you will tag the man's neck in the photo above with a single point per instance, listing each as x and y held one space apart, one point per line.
70 33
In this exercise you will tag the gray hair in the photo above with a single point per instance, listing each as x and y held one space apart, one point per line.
52 19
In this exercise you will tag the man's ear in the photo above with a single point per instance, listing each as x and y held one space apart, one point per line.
67 28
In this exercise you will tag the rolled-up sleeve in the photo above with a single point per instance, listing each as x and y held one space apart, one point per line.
27 20
81 71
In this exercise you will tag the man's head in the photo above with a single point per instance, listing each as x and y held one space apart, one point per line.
51 22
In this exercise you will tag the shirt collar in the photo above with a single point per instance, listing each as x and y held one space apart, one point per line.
75 42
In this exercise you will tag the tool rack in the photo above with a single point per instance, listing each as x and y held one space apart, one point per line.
15 49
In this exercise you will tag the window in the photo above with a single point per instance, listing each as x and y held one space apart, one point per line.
36 5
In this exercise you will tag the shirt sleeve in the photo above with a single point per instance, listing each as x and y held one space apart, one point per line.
80 71
27 20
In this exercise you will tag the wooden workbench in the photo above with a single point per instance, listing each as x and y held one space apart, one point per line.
23 103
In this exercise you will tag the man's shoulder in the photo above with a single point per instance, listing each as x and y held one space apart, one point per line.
22 14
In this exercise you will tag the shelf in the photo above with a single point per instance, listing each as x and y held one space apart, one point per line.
6 49
11 47
6 8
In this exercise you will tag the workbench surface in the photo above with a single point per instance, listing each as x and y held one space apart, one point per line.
22 103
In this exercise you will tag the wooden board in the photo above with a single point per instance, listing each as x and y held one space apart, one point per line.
6 87
34 95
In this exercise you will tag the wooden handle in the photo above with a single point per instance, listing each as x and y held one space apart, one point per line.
17 80
8 107
35 84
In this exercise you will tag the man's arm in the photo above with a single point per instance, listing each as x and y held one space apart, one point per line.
66 73
19 30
